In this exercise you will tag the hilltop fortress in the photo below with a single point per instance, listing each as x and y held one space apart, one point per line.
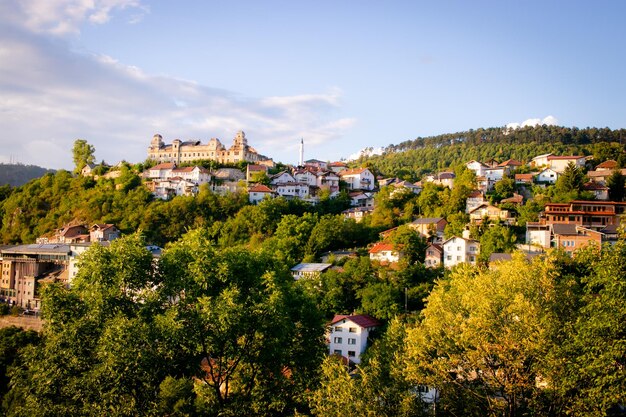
179 151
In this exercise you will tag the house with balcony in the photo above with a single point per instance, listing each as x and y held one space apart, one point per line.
358 179
348 335
594 215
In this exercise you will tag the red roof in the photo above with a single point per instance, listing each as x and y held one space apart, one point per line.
259 188
553 157
380 247
352 171
337 164
510 162
524 177
610 164
165 165
475 193
363 320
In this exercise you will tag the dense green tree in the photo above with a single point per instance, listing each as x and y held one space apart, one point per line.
571 181
83 154
496 238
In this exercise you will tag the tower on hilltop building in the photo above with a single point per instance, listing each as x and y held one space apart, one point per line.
301 152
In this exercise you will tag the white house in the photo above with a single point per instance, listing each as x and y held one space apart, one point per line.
305 176
384 252
475 199
538 234
458 250
197 175
328 179
348 335
161 171
358 178
540 160
477 167
548 176
282 178
361 199
559 163
259 192
292 190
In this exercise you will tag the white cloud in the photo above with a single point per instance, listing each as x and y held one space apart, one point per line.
548 120
50 96
62 17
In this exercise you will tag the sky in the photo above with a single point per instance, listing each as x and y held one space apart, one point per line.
343 75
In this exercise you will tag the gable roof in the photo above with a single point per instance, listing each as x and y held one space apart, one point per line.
563 158
353 171
381 247
510 162
459 237
165 165
363 320
260 188
610 164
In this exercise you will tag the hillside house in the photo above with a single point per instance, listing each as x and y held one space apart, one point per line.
524 179
559 163
291 190
384 253
570 237
475 199
445 179
434 256
361 199
492 213
259 192
547 176
601 192
358 179
101 232
477 167
458 250
609 165
595 215
430 228
357 213
348 335
337 167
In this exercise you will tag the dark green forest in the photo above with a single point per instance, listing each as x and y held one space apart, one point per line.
19 174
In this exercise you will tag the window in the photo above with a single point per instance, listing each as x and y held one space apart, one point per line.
352 330
337 352
338 329
352 341
351 354
338 340
458 248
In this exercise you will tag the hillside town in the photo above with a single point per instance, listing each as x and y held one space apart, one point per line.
569 226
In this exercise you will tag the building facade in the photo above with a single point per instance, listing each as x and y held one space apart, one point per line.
179 151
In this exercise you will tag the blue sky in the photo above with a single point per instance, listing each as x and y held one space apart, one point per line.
343 75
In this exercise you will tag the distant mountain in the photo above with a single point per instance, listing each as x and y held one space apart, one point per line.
18 174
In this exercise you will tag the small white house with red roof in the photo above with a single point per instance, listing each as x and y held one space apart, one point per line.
161 171
358 179
348 335
259 192
384 252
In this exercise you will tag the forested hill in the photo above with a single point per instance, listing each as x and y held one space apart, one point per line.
411 159
19 174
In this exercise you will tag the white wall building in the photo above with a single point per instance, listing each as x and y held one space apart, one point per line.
348 335
358 179
458 250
